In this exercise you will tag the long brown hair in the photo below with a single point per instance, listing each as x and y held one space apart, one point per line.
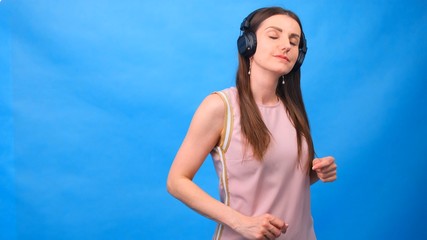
252 125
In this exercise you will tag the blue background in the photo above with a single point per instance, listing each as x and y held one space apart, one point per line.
96 98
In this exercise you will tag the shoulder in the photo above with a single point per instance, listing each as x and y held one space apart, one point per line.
212 106
208 120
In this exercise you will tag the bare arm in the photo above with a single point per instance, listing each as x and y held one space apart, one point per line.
202 136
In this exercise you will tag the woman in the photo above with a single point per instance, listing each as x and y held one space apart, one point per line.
259 138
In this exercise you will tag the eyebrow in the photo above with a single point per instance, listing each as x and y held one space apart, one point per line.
281 30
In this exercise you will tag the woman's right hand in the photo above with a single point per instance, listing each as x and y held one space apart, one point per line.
265 226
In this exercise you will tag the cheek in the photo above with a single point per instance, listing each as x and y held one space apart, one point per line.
295 53
263 47
261 54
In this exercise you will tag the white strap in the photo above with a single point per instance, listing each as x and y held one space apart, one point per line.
228 123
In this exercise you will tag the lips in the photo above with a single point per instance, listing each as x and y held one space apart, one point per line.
282 57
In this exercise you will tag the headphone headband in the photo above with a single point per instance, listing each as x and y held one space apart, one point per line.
245 25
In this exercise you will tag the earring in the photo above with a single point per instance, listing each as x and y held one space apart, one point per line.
250 64
283 80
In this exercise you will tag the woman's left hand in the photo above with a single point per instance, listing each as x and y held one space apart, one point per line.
325 168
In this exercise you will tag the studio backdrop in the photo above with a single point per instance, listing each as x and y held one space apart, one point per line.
96 97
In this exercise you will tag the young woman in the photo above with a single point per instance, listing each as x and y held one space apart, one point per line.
259 137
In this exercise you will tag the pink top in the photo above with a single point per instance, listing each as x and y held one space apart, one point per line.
277 185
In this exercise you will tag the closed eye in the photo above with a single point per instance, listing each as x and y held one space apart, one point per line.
294 40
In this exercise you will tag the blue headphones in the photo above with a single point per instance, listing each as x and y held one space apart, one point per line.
246 43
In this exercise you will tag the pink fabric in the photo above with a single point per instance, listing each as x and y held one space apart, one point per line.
276 185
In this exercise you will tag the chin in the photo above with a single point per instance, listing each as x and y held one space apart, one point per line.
284 72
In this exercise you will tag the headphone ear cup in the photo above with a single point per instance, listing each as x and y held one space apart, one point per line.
246 44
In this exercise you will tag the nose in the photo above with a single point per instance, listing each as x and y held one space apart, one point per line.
286 46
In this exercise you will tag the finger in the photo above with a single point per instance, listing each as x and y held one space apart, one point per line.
285 228
328 169
328 177
317 163
274 231
325 174
320 163
268 235
277 223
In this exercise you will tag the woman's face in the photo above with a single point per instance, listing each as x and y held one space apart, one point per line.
278 39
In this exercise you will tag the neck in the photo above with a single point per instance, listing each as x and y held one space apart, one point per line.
263 86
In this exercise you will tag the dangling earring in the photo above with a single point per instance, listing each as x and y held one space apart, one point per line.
250 64
283 80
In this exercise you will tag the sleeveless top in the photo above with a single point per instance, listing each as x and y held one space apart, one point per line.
277 185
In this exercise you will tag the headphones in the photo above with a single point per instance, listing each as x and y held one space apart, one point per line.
246 43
